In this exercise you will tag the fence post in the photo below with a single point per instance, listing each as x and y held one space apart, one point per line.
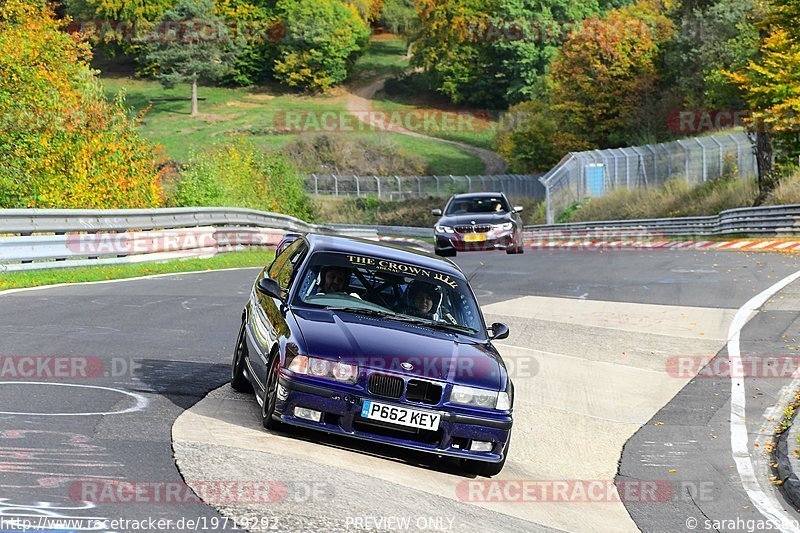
705 166
685 159
655 162
721 160
419 186
399 188
437 185
548 207
483 183
627 170
378 181
669 159
358 186
469 183
335 183
738 154
316 185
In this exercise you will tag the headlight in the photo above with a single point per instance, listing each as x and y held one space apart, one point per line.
322 368
503 401
444 229
503 227
486 399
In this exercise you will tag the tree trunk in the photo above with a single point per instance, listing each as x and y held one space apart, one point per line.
766 165
194 97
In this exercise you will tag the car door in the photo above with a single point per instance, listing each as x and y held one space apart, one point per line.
268 320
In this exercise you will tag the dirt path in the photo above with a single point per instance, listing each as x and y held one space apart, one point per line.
359 103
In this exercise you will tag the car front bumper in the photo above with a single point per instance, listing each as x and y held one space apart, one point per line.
493 240
341 414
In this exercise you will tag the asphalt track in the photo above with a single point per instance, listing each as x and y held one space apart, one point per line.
152 348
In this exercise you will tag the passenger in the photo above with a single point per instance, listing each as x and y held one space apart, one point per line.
423 300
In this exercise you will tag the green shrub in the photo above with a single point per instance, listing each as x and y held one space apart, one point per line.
239 174
787 191
675 199
323 39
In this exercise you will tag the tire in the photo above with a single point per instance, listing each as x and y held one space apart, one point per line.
445 253
270 395
239 381
484 469
515 250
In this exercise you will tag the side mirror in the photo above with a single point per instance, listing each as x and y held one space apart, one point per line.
269 287
499 331
518 209
436 212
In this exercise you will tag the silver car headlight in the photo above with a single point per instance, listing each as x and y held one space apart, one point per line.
503 227
444 229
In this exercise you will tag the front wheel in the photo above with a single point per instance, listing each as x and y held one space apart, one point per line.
515 250
239 381
445 253
484 469
271 395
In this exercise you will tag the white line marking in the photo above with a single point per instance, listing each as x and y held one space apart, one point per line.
766 504
120 280
141 401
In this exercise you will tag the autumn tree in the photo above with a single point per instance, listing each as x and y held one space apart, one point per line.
195 46
771 87
711 36
322 41
61 143
604 79
493 52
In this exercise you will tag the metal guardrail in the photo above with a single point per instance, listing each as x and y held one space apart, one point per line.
402 187
44 238
398 231
783 220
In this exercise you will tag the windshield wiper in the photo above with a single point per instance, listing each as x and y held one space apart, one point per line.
363 311
434 324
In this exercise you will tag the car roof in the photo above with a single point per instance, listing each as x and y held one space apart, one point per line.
477 195
340 244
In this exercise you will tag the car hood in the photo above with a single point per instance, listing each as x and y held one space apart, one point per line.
384 344
475 218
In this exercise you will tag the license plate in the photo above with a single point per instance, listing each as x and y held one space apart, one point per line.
474 237
400 415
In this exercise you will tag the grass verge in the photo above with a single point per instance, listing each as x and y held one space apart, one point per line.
52 276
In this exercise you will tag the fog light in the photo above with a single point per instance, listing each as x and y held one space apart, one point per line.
481 446
307 414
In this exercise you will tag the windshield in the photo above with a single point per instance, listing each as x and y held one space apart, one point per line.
391 289
486 204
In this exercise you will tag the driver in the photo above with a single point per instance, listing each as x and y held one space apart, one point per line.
334 279
423 300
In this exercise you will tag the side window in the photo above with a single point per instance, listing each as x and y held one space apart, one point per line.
283 268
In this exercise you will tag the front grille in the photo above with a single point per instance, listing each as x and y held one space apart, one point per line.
483 228
423 392
388 386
